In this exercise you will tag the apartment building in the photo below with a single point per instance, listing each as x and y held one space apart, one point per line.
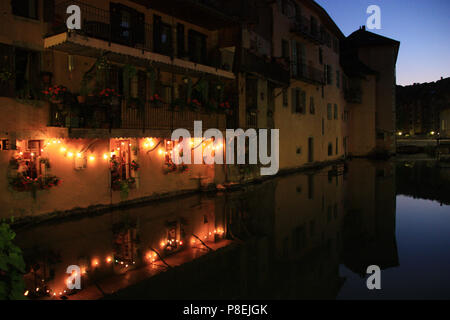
89 113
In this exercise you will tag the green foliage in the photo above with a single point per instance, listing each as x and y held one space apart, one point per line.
12 266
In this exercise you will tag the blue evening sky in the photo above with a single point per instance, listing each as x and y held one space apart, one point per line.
422 27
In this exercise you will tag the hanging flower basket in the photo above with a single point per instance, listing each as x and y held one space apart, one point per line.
134 165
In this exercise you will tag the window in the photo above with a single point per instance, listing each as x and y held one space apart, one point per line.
323 126
27 73
329 112
335 112
162 34
338 78
299 150
4 144
298 101
337 146
285 49
25 8
180 41
320 56
197 46
127 25
330 149
285 98
287 8
329 74
312 107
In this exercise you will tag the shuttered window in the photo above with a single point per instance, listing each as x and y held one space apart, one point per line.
298 101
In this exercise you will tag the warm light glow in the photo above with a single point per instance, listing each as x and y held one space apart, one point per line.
108 259
432 133
181 243
160 151
63 149
32 154
162 243
123 143
92 158
21 153
26 293
95 262
105 156
70 154
78 155
113 153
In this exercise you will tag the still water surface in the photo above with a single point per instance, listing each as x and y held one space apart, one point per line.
304 236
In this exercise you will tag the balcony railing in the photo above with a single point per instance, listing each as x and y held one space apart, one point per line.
267 67
307 73
303 27
107 25
97 116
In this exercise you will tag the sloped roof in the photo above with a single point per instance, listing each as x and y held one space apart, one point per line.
362 37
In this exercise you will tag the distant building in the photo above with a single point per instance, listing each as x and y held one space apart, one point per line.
419 106
445 123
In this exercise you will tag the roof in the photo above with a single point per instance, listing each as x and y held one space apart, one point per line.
363 37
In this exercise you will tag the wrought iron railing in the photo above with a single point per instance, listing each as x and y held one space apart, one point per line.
305 28
267 67
148 116
307 73
104 25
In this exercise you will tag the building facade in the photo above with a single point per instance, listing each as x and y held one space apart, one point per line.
88 114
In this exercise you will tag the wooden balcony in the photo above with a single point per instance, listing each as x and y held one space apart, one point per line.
101 120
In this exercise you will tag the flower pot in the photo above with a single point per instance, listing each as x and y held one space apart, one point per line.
81 99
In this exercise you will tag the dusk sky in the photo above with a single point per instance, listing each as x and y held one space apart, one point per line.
421 26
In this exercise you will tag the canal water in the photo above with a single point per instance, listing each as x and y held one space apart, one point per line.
303 236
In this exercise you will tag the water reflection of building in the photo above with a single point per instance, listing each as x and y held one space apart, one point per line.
286 238
137 241
369 223
424 179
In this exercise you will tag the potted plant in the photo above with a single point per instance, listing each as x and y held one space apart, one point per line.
109 97
225 107
156 101
56 94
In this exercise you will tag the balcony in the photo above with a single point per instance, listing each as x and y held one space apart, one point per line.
126 120
308 74
105 31
309 31
266 67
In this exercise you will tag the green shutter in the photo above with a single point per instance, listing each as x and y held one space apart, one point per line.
294 58
303 101
294 100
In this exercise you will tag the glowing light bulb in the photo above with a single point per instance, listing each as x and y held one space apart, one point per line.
78 155
26 293
160 151
151 143
70 154
108 259
63 149
146 145
32 154
105 156
92 158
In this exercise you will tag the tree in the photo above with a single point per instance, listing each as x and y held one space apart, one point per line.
12 266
